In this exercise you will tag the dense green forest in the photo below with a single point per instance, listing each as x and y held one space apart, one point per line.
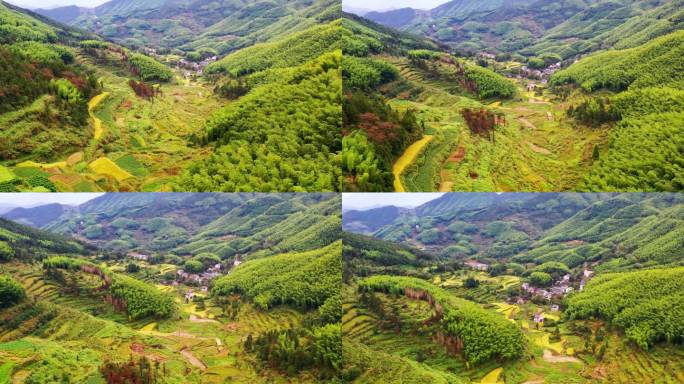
644 147
515 288
645 304
537 28
250 294
121 105
518 96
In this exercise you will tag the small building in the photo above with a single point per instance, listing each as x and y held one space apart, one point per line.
477 265
189 296
138 256
555 308
539 317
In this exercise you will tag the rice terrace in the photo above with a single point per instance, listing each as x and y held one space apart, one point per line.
514 288
172 288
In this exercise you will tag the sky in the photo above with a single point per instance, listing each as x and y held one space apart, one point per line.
32 4
34 199
374 200
392 4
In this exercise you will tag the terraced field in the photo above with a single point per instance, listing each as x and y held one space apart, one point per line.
137 144
537 150
198 346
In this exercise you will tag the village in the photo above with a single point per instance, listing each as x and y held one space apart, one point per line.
200 280
190 69
553 294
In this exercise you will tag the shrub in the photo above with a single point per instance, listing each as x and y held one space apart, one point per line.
11 292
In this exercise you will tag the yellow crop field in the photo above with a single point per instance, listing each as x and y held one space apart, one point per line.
5 174
33 164
493 377
105 166
97 123
406 159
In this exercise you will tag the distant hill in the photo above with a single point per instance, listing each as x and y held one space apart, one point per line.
223 25
534 27
63 14
189 223
30 244
37 216
370 220
571 228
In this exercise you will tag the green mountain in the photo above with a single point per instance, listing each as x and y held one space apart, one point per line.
593 118
518 288
537 228
189 25
164 115
536 27
228 225
75 309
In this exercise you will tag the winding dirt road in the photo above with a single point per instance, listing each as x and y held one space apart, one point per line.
406 159
97 123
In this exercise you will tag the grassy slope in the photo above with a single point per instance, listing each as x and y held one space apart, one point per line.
215 340
146 139
532 153
368 342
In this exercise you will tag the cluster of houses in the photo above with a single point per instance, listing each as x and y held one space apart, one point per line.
559 289
543 74
200 279
191 68
138 256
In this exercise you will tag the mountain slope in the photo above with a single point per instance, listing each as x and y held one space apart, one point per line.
224 25
538 228
229 225
536 27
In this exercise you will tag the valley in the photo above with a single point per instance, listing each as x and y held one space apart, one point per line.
111 114
502 121
115 293
515 288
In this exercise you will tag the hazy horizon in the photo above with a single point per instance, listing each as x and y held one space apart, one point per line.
364 201
28 200
379 5
46 4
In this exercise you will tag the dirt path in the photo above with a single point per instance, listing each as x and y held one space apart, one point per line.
527 123
456 157
548 356
538 149
406 159
97 123
197 319
534 100
192 359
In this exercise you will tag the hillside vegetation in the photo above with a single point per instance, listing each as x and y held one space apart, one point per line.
553 285
160 112
646 304
128 303
645 146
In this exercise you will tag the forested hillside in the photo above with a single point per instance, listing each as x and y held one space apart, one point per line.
645 147
111 305
194 25
227 225
538 27
575 287
530 228
518 96
160 112
387 106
